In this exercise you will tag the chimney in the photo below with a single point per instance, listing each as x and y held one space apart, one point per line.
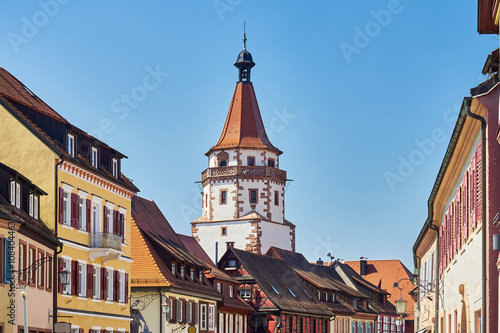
319 261
229 245
362 266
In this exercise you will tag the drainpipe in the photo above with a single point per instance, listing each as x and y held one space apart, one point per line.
417 260
55 261
161 314
483 214
436 316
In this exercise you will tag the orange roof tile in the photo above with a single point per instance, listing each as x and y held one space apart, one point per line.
244 127
144 271
384 273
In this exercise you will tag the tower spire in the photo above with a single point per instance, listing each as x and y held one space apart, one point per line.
244 36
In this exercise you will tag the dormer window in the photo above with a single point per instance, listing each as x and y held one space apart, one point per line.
200 275
33 205
182 271
71 145
173 268
94 157
15 194
114 167
219 287
191 273
231 291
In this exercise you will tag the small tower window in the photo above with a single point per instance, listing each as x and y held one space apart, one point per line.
251 161
253 196
223 163
223 231
270 162
223 197
276 198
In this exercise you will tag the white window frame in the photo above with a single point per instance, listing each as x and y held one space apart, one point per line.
109 217
189 309
114 167
211 317
221 322
94 156
203 317
121 287
109 285
231 291
219 287
82 279
40 259
67 208
15 193
31 260
123 211
71 145
97 282
67 288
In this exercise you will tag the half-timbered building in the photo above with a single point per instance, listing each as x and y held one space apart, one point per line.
280 298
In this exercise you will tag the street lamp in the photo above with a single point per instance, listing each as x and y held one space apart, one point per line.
400 306
165 308
64 276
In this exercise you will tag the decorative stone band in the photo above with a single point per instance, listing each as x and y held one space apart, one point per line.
245 171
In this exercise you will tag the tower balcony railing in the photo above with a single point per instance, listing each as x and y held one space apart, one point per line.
230 171
105 240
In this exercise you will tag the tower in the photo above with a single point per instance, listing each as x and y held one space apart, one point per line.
243 186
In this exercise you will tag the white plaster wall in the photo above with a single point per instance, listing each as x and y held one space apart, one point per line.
465 269
245 153
210 233
260 186
224 211
274 234
277 211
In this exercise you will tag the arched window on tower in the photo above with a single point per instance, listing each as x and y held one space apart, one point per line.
222 159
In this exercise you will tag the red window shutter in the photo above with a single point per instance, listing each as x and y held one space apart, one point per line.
74 277
116 285
465 226
89 212
115 222
60 267
91 331
126 287
80 330
74 210
90 281
104 282
479 182
122 227
61 205
105 220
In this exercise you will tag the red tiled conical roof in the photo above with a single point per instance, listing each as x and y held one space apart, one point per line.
244 127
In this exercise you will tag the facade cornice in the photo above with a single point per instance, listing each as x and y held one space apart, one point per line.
79 172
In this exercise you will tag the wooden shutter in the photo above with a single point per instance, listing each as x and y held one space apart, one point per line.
173 309
74 277
122 227
80 330
61 205
104 283
116 285
60 267
479 182
89 213
115 222
126 287
105 220
74 210
90 281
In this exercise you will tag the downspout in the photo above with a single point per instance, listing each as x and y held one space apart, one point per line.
161 314
55 262
483 214
436 315
417 261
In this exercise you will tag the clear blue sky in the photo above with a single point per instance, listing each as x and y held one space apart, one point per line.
350 91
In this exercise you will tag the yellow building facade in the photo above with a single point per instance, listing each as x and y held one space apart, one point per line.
88 206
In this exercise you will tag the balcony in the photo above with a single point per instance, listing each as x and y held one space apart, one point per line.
245 171
105 245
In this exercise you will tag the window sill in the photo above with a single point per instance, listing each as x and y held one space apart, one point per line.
109 302
83 298
65 226
66 295
83 232
122 303
96 300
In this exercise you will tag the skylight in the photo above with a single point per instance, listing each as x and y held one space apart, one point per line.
277 292
291 292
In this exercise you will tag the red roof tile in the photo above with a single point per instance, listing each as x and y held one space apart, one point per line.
244 127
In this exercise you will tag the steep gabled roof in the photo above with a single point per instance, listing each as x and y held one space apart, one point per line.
244 127
280 283
41 119
384 273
